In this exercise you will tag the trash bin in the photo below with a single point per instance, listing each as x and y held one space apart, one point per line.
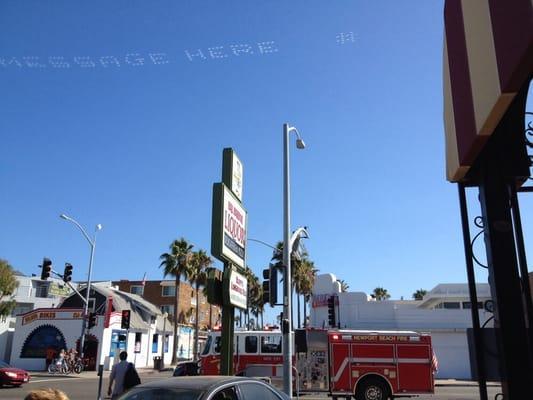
157 363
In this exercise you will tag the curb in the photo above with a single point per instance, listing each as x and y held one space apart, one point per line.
464 384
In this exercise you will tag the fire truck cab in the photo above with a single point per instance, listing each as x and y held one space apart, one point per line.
344 363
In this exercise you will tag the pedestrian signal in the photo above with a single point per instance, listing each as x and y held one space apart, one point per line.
125 324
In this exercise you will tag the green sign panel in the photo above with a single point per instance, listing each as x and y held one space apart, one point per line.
58 290
232 172
229 224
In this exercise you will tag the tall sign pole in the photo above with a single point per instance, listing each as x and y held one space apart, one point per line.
228 244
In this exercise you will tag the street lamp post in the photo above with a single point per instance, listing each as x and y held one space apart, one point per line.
92 243
286 324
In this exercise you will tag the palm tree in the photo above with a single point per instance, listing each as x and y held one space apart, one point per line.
380 294
196 274
344 285
419 294
175 263
255 294
296 259
308 282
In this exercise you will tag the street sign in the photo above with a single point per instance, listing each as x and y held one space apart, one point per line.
58 290
236 288
232 171
229 224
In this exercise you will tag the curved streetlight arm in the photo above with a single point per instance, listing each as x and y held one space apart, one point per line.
66 217
293 128
297 234
266 244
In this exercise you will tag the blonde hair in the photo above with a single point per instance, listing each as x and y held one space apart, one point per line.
46 394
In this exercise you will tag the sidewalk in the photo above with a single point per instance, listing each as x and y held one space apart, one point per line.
92 374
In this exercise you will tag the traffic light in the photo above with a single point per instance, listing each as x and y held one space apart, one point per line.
67 274
214 286
91 320
331 311
270 285
125 324
46 269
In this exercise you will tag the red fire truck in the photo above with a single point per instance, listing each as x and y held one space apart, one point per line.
367 364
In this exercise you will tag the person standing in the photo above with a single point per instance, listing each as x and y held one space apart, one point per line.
117 376
50 355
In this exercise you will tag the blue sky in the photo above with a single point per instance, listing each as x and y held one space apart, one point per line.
117 113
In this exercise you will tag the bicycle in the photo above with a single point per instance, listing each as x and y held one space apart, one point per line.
57 366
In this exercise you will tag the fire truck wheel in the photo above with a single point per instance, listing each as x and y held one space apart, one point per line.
372 389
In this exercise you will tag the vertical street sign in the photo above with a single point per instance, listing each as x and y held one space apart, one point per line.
228 244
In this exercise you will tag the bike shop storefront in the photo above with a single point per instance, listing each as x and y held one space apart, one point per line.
42 330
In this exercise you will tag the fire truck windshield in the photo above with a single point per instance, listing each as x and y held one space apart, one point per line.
207 345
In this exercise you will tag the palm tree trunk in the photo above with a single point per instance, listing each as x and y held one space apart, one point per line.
298 310
210 317
292 309
197 323
176 337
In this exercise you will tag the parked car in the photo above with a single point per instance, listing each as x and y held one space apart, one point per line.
205 388
12 376
186 368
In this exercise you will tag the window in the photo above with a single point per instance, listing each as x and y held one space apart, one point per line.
138 338
166 343
449 305
257 391
226 394
218 345
250 344
41 291
270 344
137 289
92 304
167 291
155 340
207 345
466 305
167 308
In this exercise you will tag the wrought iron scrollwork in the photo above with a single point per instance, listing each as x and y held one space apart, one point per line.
480 223
528 133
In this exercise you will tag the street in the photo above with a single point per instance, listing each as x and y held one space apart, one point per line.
85 387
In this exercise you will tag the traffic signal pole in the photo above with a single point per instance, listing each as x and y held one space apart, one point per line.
87 294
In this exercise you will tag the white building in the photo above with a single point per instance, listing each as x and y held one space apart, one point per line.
444 312
60 328
31 293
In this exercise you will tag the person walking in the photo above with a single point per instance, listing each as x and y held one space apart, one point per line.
118 375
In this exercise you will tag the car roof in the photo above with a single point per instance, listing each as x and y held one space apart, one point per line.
202 383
